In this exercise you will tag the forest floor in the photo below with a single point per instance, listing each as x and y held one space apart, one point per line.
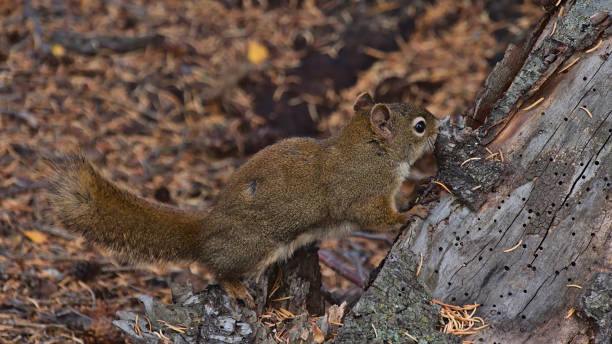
171 97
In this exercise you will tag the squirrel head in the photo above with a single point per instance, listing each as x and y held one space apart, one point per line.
405 130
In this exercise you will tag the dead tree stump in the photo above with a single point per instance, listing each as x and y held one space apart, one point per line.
522 243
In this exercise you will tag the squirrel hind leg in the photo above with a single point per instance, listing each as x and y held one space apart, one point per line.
236 290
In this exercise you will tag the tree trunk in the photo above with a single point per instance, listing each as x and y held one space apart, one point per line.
551 204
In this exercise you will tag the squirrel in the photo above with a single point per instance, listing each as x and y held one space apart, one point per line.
287 195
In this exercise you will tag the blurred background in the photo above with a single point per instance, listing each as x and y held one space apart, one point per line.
170 97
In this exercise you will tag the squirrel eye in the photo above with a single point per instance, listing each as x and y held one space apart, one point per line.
419 125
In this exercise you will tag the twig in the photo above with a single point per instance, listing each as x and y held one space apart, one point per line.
13 190
31 14
553 29
373 237
514 247
420 264
534 104
595 47
569 65
587 111
326 257
443 186
468 160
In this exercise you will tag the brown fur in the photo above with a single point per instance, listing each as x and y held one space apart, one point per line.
287 195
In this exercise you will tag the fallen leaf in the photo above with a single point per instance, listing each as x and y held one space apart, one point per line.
35 236
318 334
257 53
58 50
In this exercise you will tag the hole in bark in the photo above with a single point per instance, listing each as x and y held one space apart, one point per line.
528 217
596 162
506 268
556 272
449 284
581 164
573 263
584 78
522 317
457 238
551 159
466 294
509 293
556 174
552 205
453 298
479 228
573 233
560 182
523 199
440 249
573 218
436 271
494 306
480 258
542 113
541 248
456 244
502 201
569 279
500 230
524 245
565 119
537 213
524 291
467 232
498 207
567 204
533 268
594 90
530 211
494 220
549 212
498 313
490 249
592 234
524 225
588 189
583 177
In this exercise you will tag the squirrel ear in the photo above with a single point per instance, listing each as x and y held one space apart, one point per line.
364 101
380 119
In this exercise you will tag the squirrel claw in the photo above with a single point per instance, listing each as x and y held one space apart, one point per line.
418 210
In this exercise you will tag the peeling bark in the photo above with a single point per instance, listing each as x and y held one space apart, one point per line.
553 196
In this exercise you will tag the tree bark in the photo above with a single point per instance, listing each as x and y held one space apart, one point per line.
549 200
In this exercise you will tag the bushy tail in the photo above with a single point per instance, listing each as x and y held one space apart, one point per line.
87 203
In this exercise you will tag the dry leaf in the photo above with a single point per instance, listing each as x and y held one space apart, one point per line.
257 52
336 312
58 50
318 334
35 236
